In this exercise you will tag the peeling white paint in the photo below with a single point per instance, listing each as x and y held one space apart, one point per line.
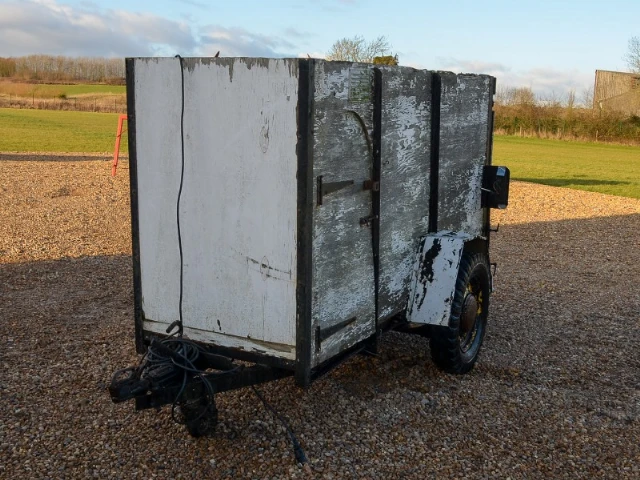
343 282
404 185
238 211
239 204
463 149
434 278
287 352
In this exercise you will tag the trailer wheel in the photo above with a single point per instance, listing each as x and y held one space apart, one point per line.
200 417
455 348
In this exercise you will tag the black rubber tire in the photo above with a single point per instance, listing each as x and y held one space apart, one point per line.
447 351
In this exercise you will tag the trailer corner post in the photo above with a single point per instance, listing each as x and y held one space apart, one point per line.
305 223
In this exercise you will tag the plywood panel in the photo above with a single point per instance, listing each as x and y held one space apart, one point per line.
463 150
404 185
343 279
157 118
238 208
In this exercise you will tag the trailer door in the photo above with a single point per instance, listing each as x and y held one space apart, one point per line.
343 294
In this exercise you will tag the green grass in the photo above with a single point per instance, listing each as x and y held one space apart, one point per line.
610 169
42 90
58 131
597 167
72 90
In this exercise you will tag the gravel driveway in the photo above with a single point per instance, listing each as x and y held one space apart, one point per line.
556 393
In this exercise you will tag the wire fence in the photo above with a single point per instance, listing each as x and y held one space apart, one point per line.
103 103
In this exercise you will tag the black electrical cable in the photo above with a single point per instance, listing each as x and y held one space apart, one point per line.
188 351
298 451
173 356
180 324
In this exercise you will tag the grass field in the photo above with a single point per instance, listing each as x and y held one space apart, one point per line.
597 167
57 91
610 169
57 131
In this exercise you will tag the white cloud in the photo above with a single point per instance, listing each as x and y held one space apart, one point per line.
545 82
50 27
238 42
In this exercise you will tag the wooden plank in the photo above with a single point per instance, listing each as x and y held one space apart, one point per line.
343 276
463 151
404 185
157 121
239 202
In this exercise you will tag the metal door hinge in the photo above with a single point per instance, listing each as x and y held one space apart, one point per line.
323 333
325 188
371 185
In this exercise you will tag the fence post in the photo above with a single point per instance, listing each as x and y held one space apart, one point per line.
116 151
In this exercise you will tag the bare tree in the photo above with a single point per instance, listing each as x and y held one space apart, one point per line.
633 54
49 68
587 97
357 49
571 99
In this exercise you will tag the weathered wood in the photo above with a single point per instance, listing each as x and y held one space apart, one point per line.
343 282
433 281
239 201
404 185
463 151
617 91
157 115
244 203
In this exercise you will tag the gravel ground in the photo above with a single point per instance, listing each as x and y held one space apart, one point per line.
556 393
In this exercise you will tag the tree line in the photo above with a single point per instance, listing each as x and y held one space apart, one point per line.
52 69
519 112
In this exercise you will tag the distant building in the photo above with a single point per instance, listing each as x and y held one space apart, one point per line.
617 91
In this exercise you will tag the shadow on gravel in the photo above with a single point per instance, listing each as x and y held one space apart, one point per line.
555 392
569 182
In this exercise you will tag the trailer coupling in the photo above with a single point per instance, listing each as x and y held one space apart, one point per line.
181 373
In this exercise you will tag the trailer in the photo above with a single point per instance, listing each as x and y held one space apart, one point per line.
286 212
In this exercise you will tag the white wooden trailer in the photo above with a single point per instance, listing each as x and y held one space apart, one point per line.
286 211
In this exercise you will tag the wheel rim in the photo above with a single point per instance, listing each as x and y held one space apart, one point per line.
471 318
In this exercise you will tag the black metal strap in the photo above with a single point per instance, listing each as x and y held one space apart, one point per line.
326 188
436 91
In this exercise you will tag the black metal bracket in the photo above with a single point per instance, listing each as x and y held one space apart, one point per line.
434 152
368 221
323 333
372 185
493 273
329 187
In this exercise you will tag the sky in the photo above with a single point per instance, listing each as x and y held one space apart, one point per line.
550 46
